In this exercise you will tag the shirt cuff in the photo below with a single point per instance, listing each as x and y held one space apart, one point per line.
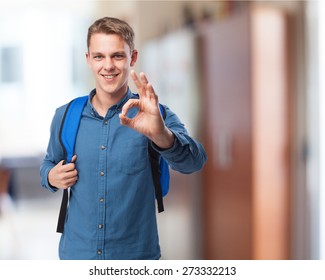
46 183
178 142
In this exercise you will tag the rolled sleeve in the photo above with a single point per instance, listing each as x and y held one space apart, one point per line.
44 178
186 155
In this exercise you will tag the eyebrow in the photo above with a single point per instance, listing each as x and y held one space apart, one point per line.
96 53
112 54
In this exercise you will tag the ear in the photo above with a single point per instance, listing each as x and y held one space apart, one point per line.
87 58
134 57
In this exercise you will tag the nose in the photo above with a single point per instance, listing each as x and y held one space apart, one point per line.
109 64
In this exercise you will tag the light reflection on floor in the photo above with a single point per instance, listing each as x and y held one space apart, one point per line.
28 230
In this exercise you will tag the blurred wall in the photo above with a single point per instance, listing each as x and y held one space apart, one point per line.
151 28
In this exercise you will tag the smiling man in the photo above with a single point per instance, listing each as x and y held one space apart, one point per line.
111 213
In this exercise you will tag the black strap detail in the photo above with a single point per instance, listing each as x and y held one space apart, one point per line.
155 171
65 195
63 211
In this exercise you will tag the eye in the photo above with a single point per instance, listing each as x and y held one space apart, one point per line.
98 57
118 56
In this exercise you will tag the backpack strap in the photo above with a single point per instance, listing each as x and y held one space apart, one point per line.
63 211
68 134
159 171
70 125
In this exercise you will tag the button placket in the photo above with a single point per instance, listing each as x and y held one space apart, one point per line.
102 189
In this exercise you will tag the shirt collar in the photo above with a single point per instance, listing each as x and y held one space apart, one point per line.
118 105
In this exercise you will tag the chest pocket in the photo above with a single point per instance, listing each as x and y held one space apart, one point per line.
133 156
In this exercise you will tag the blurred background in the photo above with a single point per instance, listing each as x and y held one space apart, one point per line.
244 76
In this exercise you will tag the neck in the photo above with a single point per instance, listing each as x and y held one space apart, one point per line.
103 101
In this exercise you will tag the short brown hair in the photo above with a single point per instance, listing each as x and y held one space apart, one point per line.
109 25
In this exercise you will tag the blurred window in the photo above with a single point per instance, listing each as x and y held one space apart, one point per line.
11 65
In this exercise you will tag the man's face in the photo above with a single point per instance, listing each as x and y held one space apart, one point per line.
110 60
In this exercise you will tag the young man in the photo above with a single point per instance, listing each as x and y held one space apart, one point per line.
111 213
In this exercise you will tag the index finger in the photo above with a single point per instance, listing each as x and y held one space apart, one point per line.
136 79
68 166
141 83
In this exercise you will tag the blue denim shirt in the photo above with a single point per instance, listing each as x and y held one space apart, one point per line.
111 213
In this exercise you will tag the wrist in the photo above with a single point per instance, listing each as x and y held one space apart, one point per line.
164 141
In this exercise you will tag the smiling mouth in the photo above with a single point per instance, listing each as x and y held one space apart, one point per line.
109 77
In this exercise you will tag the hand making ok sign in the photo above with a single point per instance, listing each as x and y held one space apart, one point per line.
148 120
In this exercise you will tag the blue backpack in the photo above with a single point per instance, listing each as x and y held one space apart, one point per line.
68 134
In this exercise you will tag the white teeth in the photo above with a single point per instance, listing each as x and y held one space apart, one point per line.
109 76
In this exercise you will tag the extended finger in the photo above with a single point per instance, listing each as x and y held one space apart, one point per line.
151 92
143 78
141 83
136 80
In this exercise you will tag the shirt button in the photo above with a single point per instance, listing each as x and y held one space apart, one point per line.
101 199
105 122
100 226
103 147
99 252
102 173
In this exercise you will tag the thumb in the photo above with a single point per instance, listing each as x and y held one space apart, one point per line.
74 158
64 162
